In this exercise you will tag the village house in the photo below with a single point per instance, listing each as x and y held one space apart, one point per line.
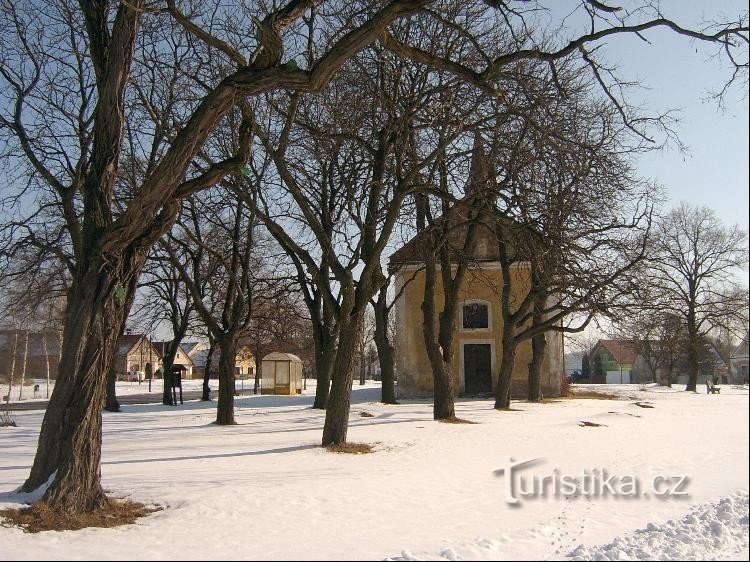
182 358
136 356
739 362
478 337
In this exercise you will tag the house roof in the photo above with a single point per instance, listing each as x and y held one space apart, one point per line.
161 347
280 356
624 351
742 350
126 343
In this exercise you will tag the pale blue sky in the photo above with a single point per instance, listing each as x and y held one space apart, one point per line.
681 74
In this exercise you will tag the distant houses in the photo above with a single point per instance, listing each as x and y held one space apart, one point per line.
136 357
621 361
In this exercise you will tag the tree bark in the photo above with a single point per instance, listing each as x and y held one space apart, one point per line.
225 407
325 355
71 434
170 352
23 369
386 354
339 401
206 396
538 348
505 377
111 404
13 363
693 353
442 382
258 373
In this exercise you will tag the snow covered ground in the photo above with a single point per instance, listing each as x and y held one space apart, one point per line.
264 489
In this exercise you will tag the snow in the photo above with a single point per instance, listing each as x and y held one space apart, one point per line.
265 489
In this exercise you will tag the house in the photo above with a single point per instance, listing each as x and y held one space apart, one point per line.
181 358
478 337
739 363
135 354
618 359
244 362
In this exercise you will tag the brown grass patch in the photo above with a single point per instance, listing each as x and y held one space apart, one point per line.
41 517
592 394
456 420
350 448
366 415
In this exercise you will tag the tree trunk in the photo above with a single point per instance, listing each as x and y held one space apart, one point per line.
225 407
206 396
258 375
442 382
170 352
71 434
386 355
693 343
505 377
111 404
46 357
538 348
339 401
25 361
13 364
325 356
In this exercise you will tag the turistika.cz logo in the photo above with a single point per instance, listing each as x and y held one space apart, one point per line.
594 483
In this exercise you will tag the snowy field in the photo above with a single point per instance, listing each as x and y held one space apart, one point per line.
264 489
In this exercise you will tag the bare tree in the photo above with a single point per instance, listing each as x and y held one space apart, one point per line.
695 258
71 64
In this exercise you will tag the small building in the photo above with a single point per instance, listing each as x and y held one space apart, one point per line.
739 363
135 354
475 368
182 358
616 358
282 374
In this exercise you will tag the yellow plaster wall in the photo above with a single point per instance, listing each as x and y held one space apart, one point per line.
412 365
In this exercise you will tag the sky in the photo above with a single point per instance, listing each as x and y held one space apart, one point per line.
680 73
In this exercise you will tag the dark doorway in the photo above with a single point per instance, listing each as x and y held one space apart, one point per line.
477 368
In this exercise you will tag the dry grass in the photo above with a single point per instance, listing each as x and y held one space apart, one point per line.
350 448
456 420
41 517
591 394
366 415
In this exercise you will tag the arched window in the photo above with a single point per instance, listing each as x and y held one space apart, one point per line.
475 315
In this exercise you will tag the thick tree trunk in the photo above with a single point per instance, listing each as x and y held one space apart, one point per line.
325 356
339 401
111 404
386 355
507 362
538 348
70 439
442 382
225 407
